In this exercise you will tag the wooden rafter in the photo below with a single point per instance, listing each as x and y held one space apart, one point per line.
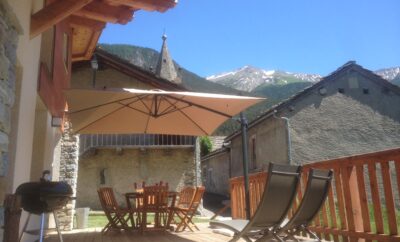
148 5
53 14
106 13
76 21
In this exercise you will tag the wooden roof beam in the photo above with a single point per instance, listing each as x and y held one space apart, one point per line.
148 5
94 25
106 13
53 14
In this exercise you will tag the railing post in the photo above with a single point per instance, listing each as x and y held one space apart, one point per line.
355 201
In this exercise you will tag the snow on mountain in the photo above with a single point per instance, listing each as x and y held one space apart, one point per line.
248 78
389 73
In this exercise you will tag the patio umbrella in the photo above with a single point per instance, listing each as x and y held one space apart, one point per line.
116 111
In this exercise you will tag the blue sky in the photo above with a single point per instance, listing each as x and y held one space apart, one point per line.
311 36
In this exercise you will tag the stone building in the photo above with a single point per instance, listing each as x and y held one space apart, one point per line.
120 160
351 111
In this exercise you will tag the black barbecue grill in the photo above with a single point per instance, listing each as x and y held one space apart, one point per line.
44 197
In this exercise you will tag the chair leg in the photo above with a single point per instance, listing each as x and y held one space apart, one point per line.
238 236
290 235
25 226
312 234
57 227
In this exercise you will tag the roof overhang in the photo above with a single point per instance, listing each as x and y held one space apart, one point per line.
89 17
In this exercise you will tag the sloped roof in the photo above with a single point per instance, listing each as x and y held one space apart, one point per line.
351 65
139 73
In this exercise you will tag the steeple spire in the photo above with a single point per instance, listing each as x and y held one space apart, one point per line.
165 66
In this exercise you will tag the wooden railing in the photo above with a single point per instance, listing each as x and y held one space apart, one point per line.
363 202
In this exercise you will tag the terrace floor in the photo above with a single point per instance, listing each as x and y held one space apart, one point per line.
94 235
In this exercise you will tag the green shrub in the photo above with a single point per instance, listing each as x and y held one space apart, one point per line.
205 145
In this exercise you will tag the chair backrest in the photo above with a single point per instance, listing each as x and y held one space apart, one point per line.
315 194
196 199
186 196
280 190
107 199
136 186
155 197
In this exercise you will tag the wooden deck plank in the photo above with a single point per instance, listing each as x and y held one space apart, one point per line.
94 235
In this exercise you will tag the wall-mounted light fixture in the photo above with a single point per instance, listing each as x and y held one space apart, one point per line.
95 66
56 121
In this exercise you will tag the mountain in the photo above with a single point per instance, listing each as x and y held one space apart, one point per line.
390 74
396 80
249 78
147 59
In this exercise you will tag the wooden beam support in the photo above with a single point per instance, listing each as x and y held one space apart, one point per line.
148 5
78 22
106 13
53 14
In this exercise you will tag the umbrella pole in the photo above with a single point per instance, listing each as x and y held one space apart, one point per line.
243 123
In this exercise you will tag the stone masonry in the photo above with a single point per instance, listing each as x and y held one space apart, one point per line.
68 172
108 167
8 46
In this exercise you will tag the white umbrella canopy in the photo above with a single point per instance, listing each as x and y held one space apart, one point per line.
117 111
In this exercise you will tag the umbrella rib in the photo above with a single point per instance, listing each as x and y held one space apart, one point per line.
127 106
145 105
104 104
102 117
200 106
171 108
115 110
190 119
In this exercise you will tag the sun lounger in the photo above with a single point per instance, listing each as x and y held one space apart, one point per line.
279 193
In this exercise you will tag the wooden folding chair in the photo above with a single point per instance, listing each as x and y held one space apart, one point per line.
185 197
186 214
114 213
155 200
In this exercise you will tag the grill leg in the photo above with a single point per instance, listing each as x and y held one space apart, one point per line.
57 226
41 227
25 225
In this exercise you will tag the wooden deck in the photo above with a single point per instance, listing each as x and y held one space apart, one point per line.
94 235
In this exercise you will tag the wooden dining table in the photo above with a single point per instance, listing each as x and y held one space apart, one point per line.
139 208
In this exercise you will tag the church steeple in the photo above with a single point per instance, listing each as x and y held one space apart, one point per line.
165 66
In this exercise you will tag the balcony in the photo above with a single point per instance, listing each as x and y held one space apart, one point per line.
89 141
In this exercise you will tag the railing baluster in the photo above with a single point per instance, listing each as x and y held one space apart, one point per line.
375 198
363 198
387 188
325 220
340 200
332 211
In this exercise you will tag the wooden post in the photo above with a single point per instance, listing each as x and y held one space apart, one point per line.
355 201
12 215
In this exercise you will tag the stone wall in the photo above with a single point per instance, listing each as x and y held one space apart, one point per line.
68 172
119 169
215 172
8 47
